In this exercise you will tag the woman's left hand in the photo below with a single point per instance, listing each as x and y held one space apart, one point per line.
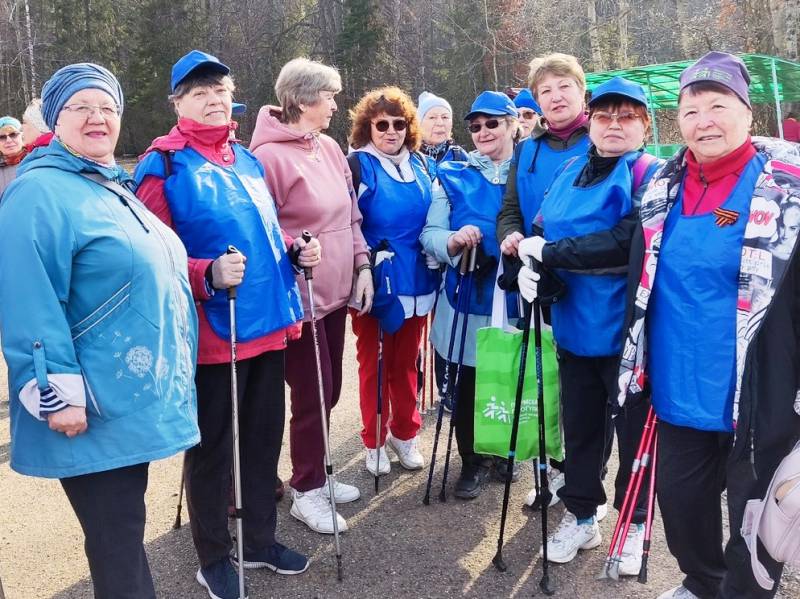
310 253
365 291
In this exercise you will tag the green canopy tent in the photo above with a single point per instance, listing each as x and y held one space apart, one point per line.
773 80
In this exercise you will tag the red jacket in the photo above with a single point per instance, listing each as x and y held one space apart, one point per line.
214 144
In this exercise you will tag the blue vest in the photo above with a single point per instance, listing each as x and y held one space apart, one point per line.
535 168
396 211
691 322
213 207
474 201
588 320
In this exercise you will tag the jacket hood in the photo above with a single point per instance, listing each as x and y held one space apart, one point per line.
56 155
269 129
489 169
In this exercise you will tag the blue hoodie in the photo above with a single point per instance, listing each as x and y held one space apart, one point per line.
95 311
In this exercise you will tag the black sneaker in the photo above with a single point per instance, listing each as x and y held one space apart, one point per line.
221 580
473 475
500 471
278 558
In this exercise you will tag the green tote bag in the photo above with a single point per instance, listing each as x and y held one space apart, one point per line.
496 373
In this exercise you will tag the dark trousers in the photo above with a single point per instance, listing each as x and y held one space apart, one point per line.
587 386
464 412
693 470
305 428
110 509
439 367
208 465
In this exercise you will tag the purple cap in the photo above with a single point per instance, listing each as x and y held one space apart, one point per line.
723 68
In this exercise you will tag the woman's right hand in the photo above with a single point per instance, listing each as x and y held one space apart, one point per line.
510 244
228 270
467 237
71 421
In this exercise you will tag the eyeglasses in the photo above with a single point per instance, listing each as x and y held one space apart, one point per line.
623 118
489 124
528 115
108 111
12 135
397 125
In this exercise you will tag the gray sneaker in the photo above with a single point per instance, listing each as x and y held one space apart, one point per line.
679 592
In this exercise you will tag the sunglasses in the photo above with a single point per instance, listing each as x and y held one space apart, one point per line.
12 135
397 125
528 115
623 118
489 124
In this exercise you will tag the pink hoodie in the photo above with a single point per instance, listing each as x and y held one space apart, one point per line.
311 183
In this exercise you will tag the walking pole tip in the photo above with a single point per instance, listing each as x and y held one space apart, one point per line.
498 562
544 585
339 567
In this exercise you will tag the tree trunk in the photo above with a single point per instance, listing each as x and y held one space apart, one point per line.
684 18
30 49
786 27
598 64
623 10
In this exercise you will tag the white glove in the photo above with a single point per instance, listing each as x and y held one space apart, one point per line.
528 282
531 247
431 262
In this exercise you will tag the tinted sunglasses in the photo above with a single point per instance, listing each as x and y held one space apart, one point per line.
397 125
623 118
12 135
489 124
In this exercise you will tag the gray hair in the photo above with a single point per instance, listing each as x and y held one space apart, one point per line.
300 82
33 115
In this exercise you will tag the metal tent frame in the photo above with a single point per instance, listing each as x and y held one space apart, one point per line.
773 80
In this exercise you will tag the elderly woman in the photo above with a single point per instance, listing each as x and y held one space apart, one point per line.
714 301
462 216
558 84
212 192
101 351
435 116
319 198
11 150
529 111
35 131
394 193
581 214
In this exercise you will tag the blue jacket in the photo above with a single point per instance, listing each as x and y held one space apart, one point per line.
95 311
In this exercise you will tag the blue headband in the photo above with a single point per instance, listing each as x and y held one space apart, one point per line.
71 79
10 121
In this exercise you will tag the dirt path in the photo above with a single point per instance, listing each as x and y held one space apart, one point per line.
396 547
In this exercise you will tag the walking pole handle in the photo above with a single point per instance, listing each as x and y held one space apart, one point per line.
232 290
307 236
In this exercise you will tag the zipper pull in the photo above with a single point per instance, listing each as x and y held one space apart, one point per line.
136 216
703 178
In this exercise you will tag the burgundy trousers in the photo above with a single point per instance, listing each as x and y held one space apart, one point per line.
305 427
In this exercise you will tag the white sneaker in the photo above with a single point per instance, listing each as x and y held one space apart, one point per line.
679 592
631 559
343 493
407 452
601 512
314 509
563 545
372 461
555 481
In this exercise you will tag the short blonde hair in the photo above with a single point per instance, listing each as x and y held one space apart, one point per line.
33 115
558 64
300 82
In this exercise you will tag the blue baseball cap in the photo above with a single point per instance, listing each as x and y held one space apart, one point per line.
386 306
238 108
493 104
524 99
619 86
194 60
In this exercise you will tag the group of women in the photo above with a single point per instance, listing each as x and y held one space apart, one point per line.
120 352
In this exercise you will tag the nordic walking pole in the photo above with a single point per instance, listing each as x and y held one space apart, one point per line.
544 583
309 276
626 515
378 423
177 524
446 386
466 285
237 466
512 447
651 499
609 562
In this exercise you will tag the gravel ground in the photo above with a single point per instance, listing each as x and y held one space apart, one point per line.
395 547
